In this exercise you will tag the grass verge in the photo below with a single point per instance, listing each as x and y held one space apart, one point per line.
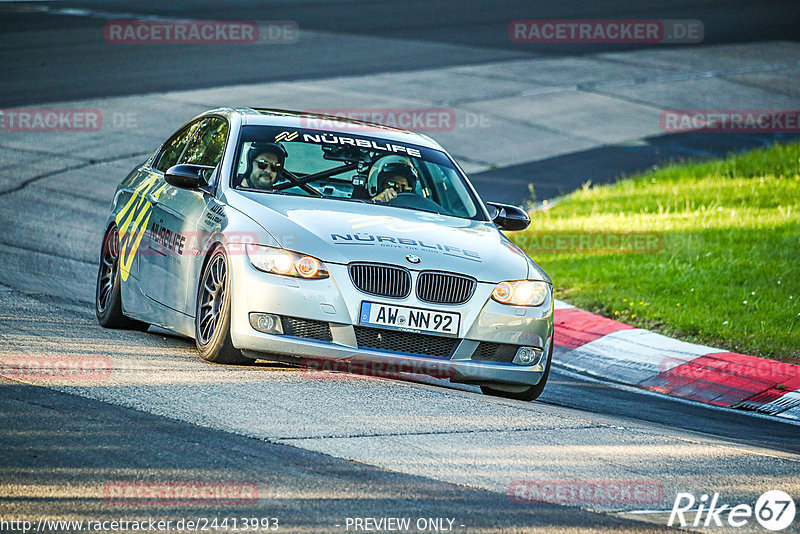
717 260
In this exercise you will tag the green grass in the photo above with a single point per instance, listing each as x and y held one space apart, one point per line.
729 271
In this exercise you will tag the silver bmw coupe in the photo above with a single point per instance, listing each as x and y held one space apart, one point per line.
270 234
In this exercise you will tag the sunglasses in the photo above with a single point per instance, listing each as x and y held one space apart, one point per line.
264 165
399 187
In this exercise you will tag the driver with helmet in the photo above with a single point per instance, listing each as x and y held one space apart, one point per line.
395 178
264 163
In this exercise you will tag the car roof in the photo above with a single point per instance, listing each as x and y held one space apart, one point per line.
328 123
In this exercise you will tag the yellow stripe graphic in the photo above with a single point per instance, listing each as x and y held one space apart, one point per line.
135 218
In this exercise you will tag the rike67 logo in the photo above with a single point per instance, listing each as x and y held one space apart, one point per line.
774 510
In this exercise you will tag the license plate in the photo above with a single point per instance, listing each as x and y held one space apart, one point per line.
409 319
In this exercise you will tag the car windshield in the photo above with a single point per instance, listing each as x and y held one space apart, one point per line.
350 167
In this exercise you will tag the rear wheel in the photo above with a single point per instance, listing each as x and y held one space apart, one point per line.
523 393
213 313
108 298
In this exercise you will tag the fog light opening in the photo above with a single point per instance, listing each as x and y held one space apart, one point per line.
266 322
528 356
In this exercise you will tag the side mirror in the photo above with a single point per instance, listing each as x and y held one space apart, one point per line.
187 176
507 217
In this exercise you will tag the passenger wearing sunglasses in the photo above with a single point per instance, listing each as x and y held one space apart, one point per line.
264 164
395 178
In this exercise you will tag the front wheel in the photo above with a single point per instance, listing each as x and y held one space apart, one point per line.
108 297
525 394
213 313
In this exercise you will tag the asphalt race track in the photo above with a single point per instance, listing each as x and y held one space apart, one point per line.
318 447
59 54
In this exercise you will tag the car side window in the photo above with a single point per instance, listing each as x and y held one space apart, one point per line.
208 145
174 147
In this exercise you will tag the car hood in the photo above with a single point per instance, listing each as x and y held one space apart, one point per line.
338 231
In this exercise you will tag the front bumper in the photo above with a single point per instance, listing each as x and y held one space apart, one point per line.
336 302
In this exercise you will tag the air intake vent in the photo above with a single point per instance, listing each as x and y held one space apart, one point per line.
444 288
292 326
381 280
495 352
407 342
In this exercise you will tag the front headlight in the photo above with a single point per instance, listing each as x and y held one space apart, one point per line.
520 292
285 262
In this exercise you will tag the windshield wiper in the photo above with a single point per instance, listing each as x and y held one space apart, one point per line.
361 200
406 207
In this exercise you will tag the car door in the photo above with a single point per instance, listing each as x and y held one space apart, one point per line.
174 235
149 186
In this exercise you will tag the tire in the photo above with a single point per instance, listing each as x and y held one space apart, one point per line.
212 318
108 298
529 393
